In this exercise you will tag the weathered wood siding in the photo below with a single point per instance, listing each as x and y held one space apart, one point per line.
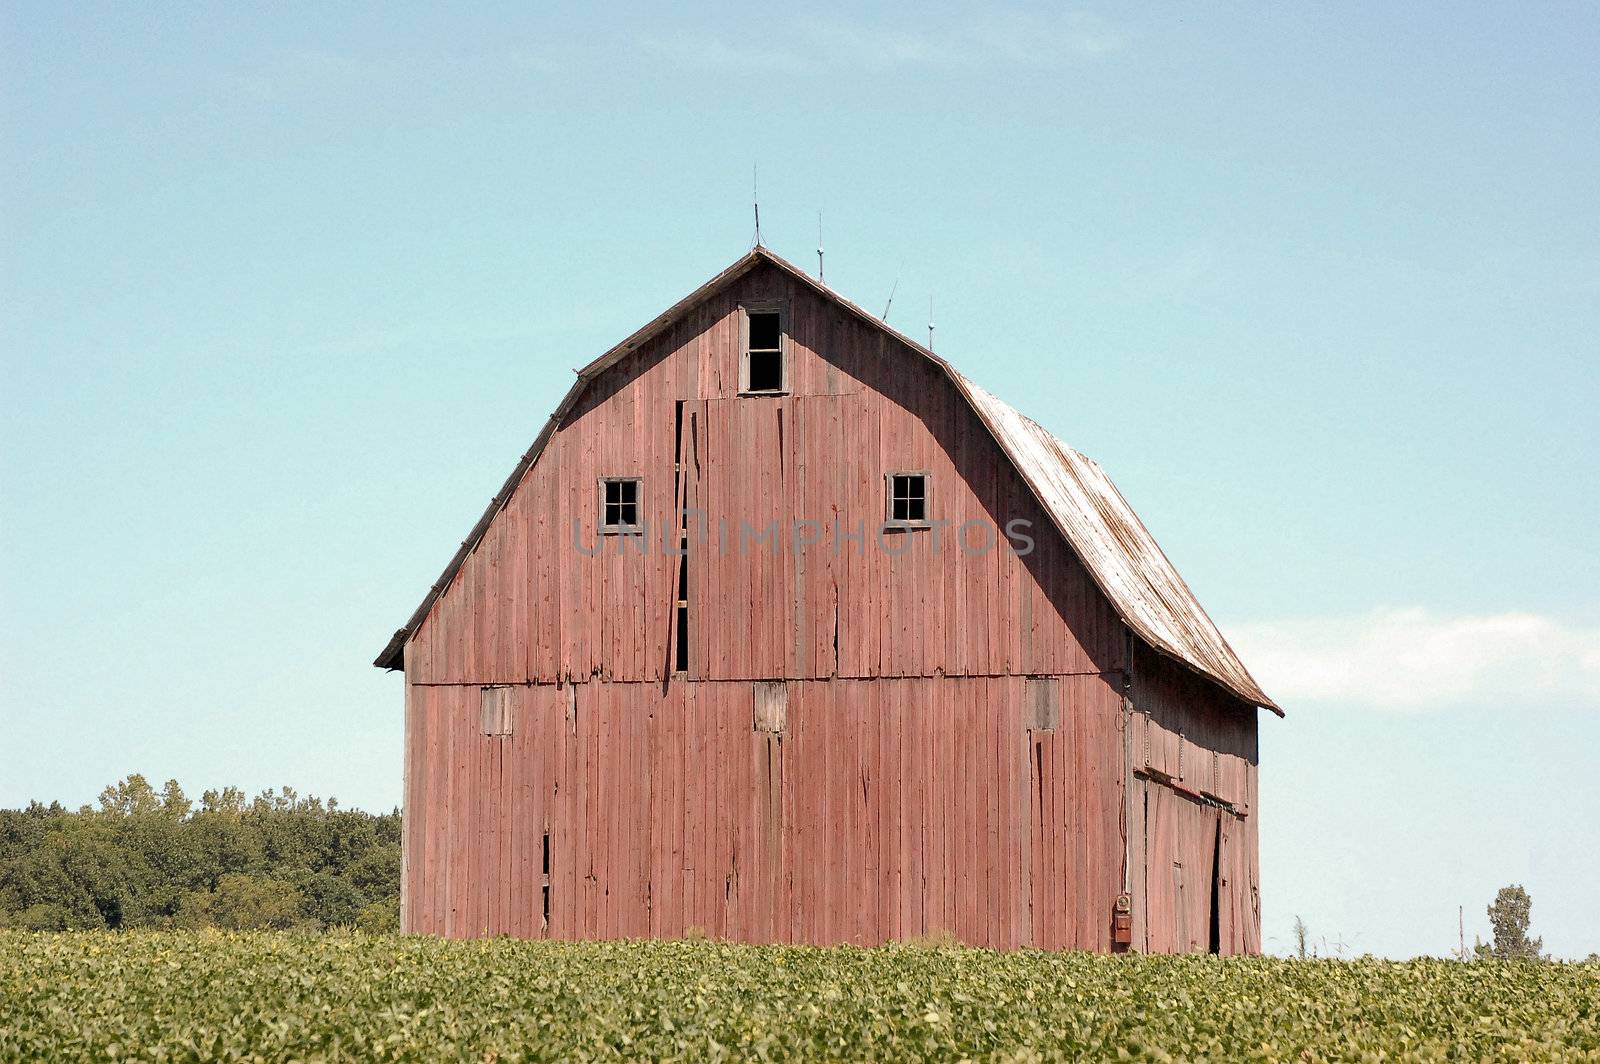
883 809
529 607
940 738
1194 815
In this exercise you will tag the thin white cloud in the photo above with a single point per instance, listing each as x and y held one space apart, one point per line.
814 44
1417 659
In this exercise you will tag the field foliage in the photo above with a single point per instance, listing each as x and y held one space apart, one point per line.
213 995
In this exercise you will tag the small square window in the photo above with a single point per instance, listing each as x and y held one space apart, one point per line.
619 505
908 497
763 369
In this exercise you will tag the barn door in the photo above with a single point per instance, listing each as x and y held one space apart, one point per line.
1183 873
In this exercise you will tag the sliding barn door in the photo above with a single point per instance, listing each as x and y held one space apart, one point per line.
1184 870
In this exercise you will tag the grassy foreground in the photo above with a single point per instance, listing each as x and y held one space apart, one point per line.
267 996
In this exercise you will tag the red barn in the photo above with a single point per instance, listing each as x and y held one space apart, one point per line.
783 630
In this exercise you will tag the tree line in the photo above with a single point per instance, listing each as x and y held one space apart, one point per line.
141 857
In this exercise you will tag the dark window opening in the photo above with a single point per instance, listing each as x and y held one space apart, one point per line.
764 351
682 662
766 371
765 330
908 497
619 505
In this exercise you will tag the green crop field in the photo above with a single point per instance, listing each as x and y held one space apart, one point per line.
275 996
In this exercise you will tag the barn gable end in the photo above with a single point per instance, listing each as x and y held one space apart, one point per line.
529 603
773 719
690 355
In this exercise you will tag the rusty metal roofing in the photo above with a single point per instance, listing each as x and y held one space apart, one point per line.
1143 585
1119 552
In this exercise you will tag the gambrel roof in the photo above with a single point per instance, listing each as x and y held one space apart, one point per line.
1121 556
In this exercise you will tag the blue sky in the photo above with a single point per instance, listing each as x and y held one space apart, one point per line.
286 293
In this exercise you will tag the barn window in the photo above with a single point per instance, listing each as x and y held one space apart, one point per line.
908 498
619 504
762 371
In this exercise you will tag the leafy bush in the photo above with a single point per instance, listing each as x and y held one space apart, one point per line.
244 903
90 996
380 918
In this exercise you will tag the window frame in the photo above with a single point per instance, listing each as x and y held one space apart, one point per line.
780 307
636 529
889 519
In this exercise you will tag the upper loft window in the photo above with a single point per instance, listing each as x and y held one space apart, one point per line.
619 504
763 368
908 498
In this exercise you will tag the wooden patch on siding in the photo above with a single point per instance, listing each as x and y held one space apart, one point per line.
495 711
771 705
1043 704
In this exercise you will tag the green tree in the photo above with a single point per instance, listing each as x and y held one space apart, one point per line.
380 918
332 900
242 903
1509 916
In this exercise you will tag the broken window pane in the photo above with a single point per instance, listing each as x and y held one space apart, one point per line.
764 331
766 371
